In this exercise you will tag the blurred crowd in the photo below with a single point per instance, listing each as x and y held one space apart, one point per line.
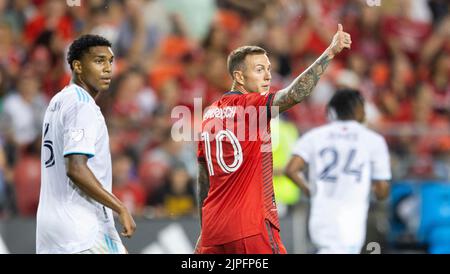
169 52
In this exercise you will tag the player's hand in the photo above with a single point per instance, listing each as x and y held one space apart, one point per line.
129 226
340 41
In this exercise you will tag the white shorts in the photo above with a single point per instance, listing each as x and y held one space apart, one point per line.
104 244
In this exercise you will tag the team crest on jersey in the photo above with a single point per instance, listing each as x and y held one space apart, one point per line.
77 134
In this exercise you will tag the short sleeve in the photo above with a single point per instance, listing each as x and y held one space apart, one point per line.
380 162
303 148
80 129
259 100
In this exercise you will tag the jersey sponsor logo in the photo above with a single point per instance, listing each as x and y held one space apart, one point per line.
77 134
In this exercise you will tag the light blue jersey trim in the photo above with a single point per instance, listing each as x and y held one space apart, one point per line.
108 244
90 155
84 95
112 246
78 94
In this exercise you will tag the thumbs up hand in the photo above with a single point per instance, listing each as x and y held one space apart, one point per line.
340 41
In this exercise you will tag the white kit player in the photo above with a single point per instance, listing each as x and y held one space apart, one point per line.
345 162
74 213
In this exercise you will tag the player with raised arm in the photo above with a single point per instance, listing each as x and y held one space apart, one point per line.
346 160
238 213
74 213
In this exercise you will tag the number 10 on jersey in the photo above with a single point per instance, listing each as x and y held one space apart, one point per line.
219 140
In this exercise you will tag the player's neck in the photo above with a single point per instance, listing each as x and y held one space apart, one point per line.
79 82
239 88
347 120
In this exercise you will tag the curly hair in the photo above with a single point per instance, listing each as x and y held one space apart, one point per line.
82 44
344 102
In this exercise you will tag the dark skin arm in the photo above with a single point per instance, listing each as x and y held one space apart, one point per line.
203 189
381 189
80 174
304 84
297 164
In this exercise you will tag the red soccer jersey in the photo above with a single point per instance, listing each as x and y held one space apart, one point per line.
236 149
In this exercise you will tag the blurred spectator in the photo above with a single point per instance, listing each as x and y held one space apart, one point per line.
27 179
403 31
9 16
440 83
3 89
3 184
156 163
192 82
439 9
24 110
134 102
104 21
175 198
135 37
47 58
216 40
188 11
10 54
51 16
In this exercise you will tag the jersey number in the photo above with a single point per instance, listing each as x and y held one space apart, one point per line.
328 174
49 145
237 149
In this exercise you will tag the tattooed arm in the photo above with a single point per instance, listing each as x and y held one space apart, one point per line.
304 84
202 193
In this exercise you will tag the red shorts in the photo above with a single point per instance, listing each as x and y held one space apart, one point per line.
268 242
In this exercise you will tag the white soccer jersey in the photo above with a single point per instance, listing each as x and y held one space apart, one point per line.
343 158
68 221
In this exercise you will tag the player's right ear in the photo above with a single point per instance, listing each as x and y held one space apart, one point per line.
76 66
238 77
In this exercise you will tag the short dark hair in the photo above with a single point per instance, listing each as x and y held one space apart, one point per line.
236 58
344 102
82 44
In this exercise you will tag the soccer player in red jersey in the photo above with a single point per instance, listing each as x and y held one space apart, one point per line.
238 213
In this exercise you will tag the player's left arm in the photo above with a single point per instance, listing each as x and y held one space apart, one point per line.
304 84
381 189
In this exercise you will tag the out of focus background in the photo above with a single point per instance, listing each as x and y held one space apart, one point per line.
169 52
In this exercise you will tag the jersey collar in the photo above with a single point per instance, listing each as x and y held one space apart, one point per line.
233 92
